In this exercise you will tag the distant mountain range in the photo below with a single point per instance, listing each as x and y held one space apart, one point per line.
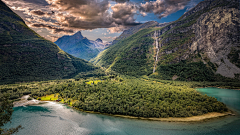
80 46
26 56
202 45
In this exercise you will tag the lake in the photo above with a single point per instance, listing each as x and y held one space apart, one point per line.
55 118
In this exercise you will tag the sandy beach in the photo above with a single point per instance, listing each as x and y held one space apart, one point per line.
203 117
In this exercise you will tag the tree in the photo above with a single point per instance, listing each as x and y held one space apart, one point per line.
6 110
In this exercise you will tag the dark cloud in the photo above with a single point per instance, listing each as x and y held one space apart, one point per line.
38 12
83 8
73 22
55 30
121 1
123 13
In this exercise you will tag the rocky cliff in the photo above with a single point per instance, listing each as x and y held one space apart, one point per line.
216 36
210 30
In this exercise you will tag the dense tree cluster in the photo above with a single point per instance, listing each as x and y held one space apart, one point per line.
141 99
128 96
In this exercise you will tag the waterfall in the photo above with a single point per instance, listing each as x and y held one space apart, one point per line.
156 40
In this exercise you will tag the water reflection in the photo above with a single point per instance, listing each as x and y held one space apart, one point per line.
32 109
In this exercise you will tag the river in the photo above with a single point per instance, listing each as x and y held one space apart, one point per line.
55 118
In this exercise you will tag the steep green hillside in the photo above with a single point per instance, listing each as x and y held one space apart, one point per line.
127 33
131 56
201 45
25 56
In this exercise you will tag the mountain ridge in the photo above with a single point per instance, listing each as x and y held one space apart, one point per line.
80 46
133 30
178 41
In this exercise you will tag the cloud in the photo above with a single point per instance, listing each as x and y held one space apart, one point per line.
88 9
83 24
123 14
121 1
40 13
55 30
112 38
117 29
53 38
66 16
23 5
163 8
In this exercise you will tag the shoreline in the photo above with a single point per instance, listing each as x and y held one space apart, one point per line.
215 87
25 102
199 118
211 115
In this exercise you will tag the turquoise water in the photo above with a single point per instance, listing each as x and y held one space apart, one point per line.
54 118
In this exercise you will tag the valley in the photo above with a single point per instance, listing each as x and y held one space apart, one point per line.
185 70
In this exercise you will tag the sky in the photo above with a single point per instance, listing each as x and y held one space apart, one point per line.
105 19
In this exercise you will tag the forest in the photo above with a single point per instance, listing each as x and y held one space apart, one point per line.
130 96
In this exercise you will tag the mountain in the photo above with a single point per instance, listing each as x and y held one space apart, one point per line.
26 56
79 46
133 30
202 45
99 40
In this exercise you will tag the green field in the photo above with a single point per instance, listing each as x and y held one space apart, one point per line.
51 97
93 82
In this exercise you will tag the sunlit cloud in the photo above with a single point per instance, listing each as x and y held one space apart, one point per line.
163 8
68 16
53 29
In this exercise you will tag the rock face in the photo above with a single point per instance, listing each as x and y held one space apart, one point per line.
210 29
216 34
